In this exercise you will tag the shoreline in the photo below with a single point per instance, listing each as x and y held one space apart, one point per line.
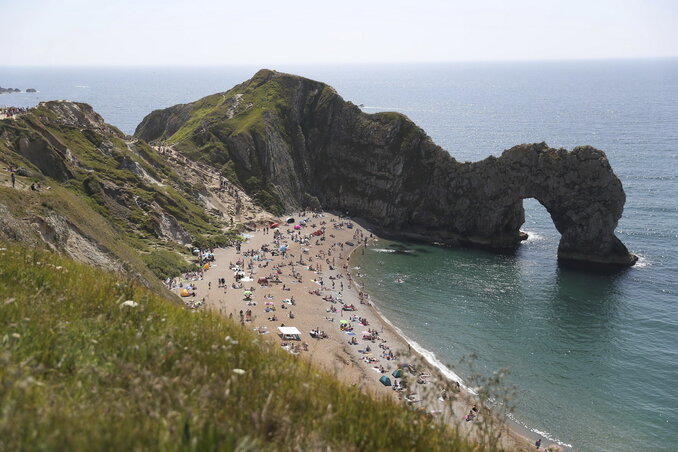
521 432
314 305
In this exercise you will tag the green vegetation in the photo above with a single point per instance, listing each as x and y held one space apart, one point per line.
128 184
167 264
205 242
81 371
215 127
81 216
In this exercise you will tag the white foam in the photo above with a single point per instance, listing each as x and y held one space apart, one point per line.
429 356
81 86
533 236
382 250
541 433
642 262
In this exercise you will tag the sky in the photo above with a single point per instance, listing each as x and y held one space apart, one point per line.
268 32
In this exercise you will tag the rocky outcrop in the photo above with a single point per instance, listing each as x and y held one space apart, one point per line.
163 123
301 138
63 236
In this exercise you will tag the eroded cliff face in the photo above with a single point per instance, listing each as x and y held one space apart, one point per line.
308 147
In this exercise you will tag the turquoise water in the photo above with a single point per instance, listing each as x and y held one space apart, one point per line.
594 357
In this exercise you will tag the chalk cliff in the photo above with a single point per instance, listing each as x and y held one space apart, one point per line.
293 142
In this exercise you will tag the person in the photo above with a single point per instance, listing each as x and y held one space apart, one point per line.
13 179
538 444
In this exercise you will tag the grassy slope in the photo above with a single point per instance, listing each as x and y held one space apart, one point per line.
78 371
203 137
123 227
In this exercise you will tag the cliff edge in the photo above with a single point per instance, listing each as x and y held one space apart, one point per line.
292 142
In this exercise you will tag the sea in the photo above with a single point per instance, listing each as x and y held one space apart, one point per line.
593 357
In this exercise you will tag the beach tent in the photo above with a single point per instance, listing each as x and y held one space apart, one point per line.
290 220
185 293
297 227
397 373
274 225
385 381
289 333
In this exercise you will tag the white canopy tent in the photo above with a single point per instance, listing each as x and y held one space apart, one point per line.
290 333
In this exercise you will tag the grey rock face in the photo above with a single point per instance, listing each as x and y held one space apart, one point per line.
382 167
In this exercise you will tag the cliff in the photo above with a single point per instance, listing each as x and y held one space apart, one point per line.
294 142
304 145
112 202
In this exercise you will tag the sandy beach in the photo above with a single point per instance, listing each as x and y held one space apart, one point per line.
298 275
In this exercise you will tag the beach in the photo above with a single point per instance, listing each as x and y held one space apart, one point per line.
298 275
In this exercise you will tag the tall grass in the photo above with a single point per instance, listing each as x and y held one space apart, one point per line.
81 371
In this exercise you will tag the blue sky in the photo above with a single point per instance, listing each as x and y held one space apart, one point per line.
263 32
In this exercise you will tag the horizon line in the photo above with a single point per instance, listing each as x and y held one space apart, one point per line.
349 63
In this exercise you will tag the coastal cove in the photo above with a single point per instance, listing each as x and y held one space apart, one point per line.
594 356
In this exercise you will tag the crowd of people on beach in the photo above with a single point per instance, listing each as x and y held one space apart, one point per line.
307 252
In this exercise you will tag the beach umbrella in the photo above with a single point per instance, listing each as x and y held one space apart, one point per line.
343 322
283 248
274 225
247 292
297 227
184 293
385 381
269 303
397 373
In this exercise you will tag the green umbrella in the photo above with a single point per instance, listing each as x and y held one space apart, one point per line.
343 321
247 292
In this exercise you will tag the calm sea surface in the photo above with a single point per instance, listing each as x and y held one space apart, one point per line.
594 357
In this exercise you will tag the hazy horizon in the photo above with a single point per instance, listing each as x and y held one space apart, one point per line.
330 64
267 34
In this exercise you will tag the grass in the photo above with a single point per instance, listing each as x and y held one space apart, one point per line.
101 179
167 264
78 371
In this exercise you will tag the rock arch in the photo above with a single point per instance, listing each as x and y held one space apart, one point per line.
315 149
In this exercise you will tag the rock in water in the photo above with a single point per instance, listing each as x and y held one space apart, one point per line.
294 142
